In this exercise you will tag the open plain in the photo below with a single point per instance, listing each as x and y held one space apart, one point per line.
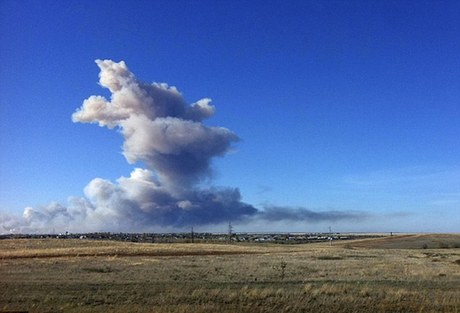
406 273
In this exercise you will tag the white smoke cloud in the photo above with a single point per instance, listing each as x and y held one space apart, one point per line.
160 129
158 126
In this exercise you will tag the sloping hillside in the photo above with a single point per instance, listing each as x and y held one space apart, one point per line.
417 241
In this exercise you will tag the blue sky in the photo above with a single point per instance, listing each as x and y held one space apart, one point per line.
347 106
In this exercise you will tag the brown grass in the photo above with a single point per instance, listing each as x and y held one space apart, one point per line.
94 276
416 241
57 248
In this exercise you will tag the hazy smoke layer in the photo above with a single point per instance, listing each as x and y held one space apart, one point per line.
165 133
277 213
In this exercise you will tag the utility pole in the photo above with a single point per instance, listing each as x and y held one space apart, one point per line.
330 235
193 235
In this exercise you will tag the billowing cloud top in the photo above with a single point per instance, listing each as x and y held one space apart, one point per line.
158 126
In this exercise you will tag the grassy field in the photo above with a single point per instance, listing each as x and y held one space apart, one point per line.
411 273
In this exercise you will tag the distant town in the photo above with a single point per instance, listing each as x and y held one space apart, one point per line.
200 237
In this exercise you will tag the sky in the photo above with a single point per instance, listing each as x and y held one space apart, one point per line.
272 115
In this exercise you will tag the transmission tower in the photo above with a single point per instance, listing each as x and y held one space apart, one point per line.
230 231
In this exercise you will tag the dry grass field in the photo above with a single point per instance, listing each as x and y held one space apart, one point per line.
411 273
